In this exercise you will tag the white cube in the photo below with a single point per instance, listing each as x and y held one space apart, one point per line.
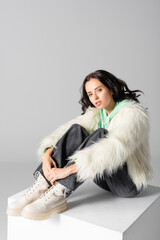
95 214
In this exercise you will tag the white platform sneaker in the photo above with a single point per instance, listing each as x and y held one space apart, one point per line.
50 202
33 193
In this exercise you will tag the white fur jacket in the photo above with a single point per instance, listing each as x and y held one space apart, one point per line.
127 141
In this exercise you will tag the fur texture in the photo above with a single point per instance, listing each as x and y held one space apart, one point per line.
127 141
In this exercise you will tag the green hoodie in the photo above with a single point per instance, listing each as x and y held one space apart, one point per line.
104 119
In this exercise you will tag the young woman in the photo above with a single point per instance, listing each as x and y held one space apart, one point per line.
108 142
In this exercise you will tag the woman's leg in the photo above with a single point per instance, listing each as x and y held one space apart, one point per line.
66 146
71 181
76 138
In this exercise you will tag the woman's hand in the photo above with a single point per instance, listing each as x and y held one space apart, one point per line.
57 173
48 163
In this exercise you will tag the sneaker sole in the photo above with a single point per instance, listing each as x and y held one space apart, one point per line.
14 212
42 216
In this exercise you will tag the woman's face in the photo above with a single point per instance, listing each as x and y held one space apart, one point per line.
99 95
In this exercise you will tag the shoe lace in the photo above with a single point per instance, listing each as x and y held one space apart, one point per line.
51 192
34 186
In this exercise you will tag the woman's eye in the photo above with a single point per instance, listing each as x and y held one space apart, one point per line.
99 90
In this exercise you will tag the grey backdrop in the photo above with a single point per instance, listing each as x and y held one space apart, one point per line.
48 47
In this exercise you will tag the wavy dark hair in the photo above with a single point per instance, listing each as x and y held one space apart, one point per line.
118 86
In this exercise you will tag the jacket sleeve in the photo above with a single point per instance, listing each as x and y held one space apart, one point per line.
51 140
129 128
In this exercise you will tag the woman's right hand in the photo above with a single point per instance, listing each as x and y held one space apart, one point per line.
48 162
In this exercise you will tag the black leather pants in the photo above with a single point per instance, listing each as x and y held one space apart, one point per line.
76 138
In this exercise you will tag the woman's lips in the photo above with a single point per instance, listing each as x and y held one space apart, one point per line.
98 103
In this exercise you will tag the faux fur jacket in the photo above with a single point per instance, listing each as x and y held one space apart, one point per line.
127 141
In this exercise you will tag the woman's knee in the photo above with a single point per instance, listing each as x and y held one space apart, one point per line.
76 125
78 129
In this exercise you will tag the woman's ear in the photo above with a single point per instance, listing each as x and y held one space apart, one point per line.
111 92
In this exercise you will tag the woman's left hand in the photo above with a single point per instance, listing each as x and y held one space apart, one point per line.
57 173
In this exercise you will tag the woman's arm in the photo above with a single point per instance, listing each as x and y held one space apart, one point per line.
51 172
48 162
72 169
59 173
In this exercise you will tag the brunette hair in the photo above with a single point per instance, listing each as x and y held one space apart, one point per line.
118 86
